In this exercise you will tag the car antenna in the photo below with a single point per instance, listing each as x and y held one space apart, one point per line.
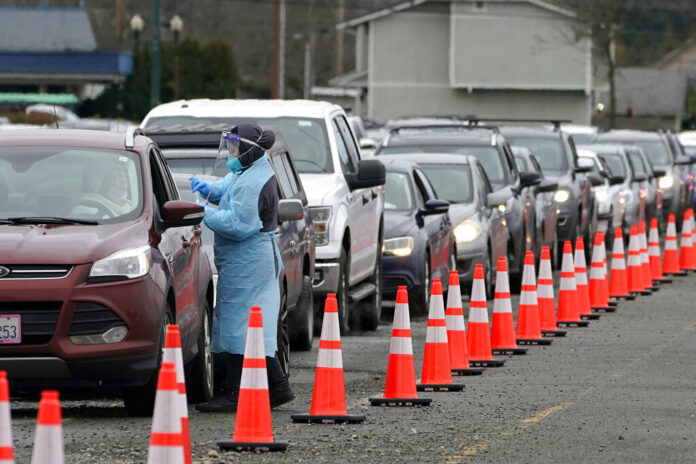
55 114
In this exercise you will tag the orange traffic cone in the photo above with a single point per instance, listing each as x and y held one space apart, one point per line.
599 295
581 284
568 313
645 259
48 440
400 387
478 337
456 330
635 265
670 265
502 326
172 353
6 449
253 429
437 374
618 282
528 325
686 245
166 439
329 395
546 297
654 254
603 251
692 226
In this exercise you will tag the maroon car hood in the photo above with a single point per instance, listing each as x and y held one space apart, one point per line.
67 244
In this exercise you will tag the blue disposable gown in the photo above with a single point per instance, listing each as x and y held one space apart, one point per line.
248 260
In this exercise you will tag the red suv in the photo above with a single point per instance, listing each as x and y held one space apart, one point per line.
97 256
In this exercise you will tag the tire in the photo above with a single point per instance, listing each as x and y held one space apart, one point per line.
200 384
421 303
370 308
283 336
140 401
301 320
342 292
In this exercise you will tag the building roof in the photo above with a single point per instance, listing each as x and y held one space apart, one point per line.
413 3
650 92
45 30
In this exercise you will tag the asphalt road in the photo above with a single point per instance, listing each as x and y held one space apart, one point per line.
621 390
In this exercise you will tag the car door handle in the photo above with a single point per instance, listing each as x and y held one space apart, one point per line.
374 195
365 200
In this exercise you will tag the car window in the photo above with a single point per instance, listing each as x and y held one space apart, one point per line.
507 152
579 139
535 164
424 185
306 138
549 152
637 164
398 195
282 176
656 151
201 161
521 163
70 182
348 138
159 188
294 182
616 164
170 186
346 161
452 182
484 179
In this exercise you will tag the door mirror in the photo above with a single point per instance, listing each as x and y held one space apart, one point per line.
371 173
659 172
529 178
615 180
682 160
435 207
367 143
640 178
290 210
581 169
182 213
499 198
595 181
547 185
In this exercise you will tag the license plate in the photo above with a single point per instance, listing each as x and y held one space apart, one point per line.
10 328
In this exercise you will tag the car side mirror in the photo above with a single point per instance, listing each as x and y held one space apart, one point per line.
371 173
180 213
529 178
435 207
616 180
367 143
640 178
659 172
498 198
692 157
547 186
582 169
682 160
595 181
290 210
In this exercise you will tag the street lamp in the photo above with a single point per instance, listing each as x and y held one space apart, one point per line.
176 24
136 24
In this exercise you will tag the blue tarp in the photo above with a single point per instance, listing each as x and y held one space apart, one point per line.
107 63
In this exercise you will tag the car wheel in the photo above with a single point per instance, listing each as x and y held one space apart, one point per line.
420 305
140 401
200 383
371 307
302 318
283 349
342 293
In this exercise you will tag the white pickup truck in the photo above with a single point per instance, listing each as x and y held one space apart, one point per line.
345 193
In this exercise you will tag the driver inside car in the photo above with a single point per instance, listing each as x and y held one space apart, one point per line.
112 195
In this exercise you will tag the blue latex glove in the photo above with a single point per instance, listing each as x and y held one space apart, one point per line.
201 186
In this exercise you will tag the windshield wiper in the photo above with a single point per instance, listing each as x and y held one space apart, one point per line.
48 220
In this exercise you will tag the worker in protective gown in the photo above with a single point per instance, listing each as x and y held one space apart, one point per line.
247 259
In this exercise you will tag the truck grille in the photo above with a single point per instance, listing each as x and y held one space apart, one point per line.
36 271
39 319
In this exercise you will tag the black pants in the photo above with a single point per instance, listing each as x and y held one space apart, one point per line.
229 367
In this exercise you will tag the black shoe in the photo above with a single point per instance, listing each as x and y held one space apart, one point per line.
281 397
224 403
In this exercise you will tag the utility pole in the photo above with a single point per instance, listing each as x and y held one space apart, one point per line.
281 61
307 69
278 54
155 51
338 44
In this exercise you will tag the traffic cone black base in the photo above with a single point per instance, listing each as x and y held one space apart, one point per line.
553 333
400 401
514 351
534 341
444 387
613 304
322 419
469 371
228 445
487 363
677 274
574 323
589 317
608 309
664 280
616 299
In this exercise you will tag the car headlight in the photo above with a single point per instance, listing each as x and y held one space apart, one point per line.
561 196
467 231
399 246
130 263
665 182
320 217
601 195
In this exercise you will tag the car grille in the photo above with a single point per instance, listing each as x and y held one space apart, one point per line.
36 271
390 284
93 318
39 319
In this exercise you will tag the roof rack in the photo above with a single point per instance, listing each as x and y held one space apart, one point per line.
131 133
556 122
458 125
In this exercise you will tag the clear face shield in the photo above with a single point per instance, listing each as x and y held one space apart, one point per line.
229 148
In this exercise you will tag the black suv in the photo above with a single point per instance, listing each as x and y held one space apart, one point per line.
194 154
491 149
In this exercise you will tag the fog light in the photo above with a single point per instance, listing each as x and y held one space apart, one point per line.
113 335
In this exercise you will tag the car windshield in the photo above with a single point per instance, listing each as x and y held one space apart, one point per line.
657 152
200 162
616 164
452 182
85 184
306 138
489 157
582 138
548 152
398 195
